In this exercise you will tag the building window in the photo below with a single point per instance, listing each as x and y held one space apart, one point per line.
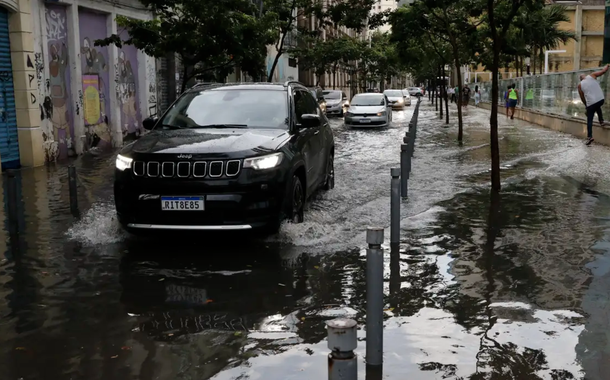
292 62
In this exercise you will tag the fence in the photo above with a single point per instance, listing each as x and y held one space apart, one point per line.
555 93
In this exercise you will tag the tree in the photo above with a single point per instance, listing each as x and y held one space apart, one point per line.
209 37
498 19
453 22
353 14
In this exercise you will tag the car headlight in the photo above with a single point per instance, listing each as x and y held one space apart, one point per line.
123 163
401 101
264 162
382 113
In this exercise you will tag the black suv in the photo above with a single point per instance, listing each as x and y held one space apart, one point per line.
226 157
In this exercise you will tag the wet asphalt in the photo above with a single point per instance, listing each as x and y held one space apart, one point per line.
515 287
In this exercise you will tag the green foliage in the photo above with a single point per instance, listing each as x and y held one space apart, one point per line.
210 37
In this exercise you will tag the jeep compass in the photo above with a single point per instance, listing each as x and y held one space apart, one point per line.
226 157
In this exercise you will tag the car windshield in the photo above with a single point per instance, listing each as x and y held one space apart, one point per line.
393 93
367 100
229 108
332 94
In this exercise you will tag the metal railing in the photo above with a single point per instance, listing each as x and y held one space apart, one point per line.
553 93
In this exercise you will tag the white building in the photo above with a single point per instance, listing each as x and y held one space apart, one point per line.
382 6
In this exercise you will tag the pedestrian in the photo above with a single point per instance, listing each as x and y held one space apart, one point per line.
452 94
513 99
465 95
477 96
506 99
592 97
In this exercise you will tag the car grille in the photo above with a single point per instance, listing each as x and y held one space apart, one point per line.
187 169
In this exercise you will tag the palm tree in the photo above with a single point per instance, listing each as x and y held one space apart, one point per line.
541 31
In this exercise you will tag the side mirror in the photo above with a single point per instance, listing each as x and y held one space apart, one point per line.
149 123
310 120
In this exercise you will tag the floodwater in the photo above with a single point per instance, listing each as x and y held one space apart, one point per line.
514 287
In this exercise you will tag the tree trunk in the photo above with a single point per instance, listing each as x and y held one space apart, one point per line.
535 61
442 93
280 51
456 57
493 119
446 99
429 91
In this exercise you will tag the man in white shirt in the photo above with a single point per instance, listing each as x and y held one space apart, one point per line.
592 97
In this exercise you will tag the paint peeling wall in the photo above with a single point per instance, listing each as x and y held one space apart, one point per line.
91 98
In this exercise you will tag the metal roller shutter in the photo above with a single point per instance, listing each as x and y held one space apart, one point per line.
9 144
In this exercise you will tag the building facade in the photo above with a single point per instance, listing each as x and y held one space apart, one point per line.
61 94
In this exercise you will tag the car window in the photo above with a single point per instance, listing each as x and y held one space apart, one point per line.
368 100
304 103
257 109
331 94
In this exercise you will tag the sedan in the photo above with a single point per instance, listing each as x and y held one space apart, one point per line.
415 91
369 110
398 99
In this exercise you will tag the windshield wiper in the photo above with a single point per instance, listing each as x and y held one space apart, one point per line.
222 126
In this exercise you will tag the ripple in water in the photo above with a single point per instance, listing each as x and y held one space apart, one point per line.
99 226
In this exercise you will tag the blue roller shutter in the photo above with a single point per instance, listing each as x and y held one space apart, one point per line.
9 144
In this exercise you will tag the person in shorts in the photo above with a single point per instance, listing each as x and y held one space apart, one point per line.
506 100
513 99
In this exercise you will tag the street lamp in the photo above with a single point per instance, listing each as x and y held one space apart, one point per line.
546 58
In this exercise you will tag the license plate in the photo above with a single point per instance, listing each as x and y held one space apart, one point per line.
365 121
182 204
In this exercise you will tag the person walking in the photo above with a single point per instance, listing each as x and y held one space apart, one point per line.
506 100
465 96
592 97
513 99
477 96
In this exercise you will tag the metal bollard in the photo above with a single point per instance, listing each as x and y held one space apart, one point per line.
395 204
73 190
374 297
342 341
11 202
405 166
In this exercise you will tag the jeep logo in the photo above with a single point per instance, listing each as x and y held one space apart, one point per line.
185 156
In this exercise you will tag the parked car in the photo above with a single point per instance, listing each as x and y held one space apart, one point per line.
205 166
318 94
415 91
398 99
369 110
336 102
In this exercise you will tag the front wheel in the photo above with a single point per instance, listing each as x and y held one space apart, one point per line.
296 201
329 184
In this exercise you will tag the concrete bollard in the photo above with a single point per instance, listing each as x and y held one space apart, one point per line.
342 341
11 202
374 297
395 205
73 190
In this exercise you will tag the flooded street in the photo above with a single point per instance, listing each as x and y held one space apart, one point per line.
511 288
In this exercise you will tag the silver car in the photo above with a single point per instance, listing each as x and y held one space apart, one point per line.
369 110
336 102
398 98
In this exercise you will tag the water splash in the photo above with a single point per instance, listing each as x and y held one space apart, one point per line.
98 226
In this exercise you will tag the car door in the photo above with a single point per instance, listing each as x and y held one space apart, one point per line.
304 103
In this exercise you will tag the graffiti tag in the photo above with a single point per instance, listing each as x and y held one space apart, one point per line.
56 25
30 64
32 98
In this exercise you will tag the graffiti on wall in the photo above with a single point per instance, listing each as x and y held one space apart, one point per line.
151 78
94 63
56 106
127 90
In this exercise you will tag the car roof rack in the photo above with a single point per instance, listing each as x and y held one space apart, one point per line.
218 84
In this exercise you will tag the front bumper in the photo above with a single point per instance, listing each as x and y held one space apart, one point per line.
360 121
334 109
252 200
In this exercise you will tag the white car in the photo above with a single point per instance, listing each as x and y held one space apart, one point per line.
398 98
414 91
369 110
